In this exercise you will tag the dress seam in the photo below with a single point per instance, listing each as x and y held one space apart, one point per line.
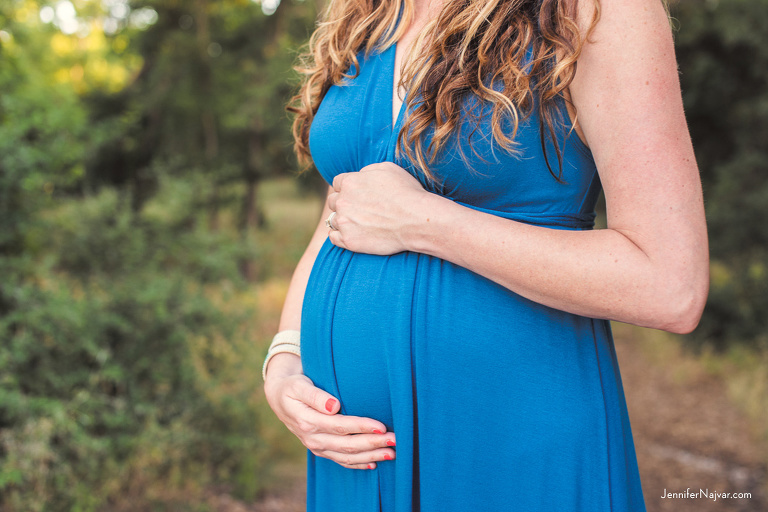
415 487
330 337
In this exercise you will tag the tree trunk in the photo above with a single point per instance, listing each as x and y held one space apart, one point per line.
251 215
208 119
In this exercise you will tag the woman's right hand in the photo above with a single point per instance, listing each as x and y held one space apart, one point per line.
312 415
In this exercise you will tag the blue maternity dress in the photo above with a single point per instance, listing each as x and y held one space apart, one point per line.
498 403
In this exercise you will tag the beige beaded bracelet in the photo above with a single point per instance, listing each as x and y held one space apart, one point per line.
284 341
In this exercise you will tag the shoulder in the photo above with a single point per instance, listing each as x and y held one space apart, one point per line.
603 21
627 69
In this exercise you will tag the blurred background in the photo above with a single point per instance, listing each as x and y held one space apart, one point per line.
151 215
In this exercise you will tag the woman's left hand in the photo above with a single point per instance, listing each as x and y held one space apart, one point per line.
376 209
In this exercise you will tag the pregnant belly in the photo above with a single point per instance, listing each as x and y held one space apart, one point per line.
379 331
356 323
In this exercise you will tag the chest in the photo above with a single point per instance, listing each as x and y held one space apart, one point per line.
358 121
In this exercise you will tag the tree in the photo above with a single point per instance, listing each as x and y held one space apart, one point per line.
723 54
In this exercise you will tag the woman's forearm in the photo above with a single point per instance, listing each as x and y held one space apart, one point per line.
601 273
290 317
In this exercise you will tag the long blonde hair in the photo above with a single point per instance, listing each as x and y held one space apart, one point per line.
528 47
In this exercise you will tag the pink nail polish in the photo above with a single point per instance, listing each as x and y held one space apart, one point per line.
390 443
371 466
377 431
387 456
329 404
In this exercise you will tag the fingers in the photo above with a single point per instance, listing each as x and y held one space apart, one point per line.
318 409
336 239
313 416
360 460
306 395
337 181
356 451
310 422
352 441
332 198
304 391
334 232
380 444
371 465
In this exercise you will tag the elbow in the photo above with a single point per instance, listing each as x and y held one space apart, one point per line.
687 319
684 303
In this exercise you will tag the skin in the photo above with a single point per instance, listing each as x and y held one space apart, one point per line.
649 267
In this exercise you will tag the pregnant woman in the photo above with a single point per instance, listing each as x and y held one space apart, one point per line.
445 344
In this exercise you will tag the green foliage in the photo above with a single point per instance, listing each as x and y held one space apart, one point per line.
127 364
723 54
209 98
100 237
111 360
42 132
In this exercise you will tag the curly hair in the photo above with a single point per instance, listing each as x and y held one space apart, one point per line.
514 55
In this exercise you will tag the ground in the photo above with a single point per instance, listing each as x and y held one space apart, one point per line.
688 436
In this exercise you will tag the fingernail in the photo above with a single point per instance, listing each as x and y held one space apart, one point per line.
329 404
371 466
390 442
377 431
387 456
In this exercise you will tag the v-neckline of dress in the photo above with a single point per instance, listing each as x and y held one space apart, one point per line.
394 122
394 127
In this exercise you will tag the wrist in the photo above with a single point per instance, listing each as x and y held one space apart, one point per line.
429 226
284 364
287 341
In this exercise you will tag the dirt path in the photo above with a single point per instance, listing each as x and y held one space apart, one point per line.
687 434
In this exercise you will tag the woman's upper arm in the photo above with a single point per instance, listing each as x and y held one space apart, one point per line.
319 236
291 315
627 95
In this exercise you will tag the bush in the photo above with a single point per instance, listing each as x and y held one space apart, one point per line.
722 49
112 356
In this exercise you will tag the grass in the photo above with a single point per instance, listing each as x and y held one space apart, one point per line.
743 370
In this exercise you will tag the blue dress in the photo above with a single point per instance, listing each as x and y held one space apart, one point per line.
498 403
